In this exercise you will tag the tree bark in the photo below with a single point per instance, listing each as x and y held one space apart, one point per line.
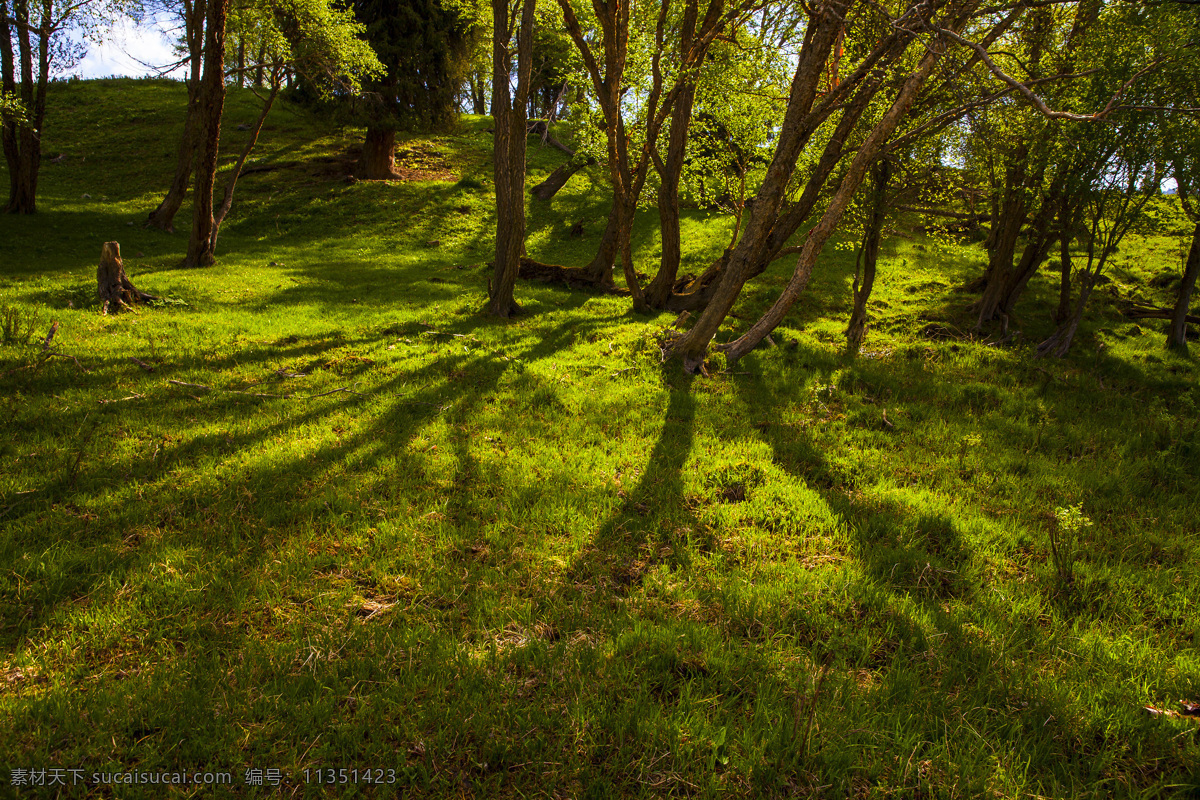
856 331
112 286
23 142
692 346
1066 223
821 232
212 105
1177 335
556 180
378 159
8 127
163 217
508 154
670 175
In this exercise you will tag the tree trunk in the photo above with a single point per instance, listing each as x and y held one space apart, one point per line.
8 127
1005 232
23 143
692 346
856 331
1177 336
258 66
163 217
1064 282
112 286
670 175
241 62
820 233
546 190
508 153
1059 342
212 105
378 160
1041 239
227 200
600 268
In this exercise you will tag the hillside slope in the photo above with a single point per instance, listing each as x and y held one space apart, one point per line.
316 511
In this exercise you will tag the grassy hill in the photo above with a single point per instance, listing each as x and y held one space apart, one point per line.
316 511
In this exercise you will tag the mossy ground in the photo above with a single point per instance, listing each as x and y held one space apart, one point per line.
516 559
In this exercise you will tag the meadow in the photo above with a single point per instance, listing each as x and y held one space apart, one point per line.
315 510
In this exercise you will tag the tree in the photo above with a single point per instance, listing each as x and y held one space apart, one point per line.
509 140
425 47
1127 174
210 107
32 44
192 15
899 61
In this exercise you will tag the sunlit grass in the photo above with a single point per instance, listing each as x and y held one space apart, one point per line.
526 558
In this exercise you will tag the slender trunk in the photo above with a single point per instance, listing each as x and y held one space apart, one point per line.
163 217
212 105
670 175
693 345
378 160
820 233
508 154
258 65
856 331
1005 232
1059 342
241 62
600 268
227 200
1032 257
1066 222
1177 337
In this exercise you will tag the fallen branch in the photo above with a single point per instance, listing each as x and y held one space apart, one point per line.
1150 312
50 335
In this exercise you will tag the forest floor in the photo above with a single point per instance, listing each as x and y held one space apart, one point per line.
317 511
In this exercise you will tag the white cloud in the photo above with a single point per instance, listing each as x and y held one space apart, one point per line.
130 50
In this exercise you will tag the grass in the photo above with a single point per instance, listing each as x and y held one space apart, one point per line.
527 559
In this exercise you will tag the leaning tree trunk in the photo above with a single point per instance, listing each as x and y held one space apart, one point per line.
227 200
556 180
212 105
1177 337
1059 342
113 287
163 217
378 160
1064 281
856 331
1041 239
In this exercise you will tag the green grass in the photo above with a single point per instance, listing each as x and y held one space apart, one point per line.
520 559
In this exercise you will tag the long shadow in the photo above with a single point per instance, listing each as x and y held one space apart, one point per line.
652 523
919 572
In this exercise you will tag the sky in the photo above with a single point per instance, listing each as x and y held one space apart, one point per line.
126 50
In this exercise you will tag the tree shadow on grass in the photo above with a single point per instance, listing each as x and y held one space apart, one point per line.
652 524
952 652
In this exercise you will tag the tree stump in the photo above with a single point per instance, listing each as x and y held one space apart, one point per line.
112 286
